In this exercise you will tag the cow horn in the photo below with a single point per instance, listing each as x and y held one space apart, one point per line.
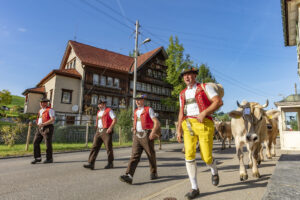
266 105
238 104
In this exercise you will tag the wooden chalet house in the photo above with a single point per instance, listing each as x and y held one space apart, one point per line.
88 73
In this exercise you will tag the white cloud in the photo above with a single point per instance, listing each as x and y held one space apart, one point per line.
22 29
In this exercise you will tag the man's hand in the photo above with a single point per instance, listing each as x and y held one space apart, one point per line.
109 130
151 136
201 117
179 135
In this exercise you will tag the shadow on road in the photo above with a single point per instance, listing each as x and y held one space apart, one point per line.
163 179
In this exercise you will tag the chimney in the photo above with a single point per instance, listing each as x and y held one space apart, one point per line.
295 89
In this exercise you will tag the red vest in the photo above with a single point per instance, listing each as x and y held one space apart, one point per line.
201 99
106 119
45 115
146 120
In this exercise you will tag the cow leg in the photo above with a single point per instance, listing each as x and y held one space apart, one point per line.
250 163
268 145
273 153
261 153
223 143
240 155
229 142
255 157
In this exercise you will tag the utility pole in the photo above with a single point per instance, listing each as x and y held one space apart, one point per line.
135 64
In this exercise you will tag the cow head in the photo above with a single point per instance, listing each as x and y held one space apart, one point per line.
271 115
252 114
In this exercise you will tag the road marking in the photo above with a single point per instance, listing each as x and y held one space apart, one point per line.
164 190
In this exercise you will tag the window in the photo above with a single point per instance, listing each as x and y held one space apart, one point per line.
144 86
70 120
66 96
109 101
116 83
163 91
95 79
149 72
131 84
148 88
109 81
74 63
158 106
138 86
155 74
103 80
158 90
290 122
94 99
159 75
153 88
115 102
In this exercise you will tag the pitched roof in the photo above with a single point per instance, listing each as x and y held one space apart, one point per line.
93 56
40 90
73 73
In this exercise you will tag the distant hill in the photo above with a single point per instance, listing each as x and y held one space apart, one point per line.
16 101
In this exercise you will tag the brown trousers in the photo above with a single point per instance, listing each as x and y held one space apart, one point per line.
45 133
99 138
138 145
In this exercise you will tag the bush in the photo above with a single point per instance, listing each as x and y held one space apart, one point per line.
124 122
9 134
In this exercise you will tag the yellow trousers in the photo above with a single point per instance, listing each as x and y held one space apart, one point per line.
204 133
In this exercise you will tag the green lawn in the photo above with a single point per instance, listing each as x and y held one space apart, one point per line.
19 149
16 101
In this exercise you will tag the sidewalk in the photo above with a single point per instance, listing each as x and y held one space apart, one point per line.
285 181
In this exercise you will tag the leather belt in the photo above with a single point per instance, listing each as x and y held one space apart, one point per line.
100 130
142 134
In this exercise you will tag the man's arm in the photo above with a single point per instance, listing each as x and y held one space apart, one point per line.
156 125
179 126
110 128
215 105
50 121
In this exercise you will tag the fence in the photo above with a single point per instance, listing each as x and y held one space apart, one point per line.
76 134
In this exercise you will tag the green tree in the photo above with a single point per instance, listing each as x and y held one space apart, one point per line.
204 75
176 62
5 97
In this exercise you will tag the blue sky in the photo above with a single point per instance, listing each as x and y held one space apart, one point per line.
241 41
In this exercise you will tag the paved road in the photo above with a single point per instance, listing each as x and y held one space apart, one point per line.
67 179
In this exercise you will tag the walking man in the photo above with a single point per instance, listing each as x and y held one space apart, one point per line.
145 125
45 121
105 122
195 122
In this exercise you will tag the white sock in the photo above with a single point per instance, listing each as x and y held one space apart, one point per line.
213 167
129 176
191 168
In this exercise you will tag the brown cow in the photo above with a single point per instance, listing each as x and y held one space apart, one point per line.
224 131
273 131
248 125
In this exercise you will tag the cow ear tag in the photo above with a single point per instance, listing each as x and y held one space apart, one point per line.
270 116
246 111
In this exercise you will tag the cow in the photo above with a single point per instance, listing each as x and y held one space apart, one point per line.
273 131
248 125
224 132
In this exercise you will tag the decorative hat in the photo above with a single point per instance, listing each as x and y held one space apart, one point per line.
44 99
102 101
189 69
140 96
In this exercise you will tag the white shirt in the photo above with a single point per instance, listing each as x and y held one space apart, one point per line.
51 114
138 114
193 109
100 114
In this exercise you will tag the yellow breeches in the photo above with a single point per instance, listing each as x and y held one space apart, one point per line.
204 133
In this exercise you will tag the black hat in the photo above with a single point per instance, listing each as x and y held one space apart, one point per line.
189 69
140 96
102 101
44 99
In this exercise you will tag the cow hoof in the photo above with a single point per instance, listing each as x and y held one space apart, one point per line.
243 177
250 166
258 162
256 175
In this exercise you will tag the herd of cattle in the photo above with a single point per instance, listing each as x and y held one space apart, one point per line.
254 127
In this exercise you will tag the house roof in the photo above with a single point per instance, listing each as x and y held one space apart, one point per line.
72 73
39 90
293 99
97 57
94 56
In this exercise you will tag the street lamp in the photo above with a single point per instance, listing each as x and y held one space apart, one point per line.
135 62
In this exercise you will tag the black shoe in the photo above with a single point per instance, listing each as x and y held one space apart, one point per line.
126 179
109 166
192 194
36 160
215 179
153 176
89 166
48 161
